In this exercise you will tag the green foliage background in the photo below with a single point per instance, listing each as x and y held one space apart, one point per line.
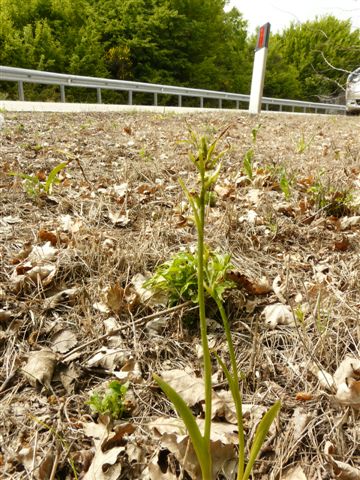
193 43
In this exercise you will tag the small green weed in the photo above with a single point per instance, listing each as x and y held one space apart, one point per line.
248 163
303 144
249 155
35 187
284 183
111 402
331 200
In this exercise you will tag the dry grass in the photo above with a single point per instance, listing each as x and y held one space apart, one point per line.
298 240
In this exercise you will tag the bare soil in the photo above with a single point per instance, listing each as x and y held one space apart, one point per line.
68 261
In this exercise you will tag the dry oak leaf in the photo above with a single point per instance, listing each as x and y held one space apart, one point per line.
40 367
105 465
278 314
339 470
347 381
108 358
46 236
67 296
294 473
173 436
63 341
115 298
348 222
5 315
259 286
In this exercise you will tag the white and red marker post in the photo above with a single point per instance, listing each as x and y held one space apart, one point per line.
258 76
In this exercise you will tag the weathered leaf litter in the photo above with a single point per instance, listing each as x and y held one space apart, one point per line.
76 314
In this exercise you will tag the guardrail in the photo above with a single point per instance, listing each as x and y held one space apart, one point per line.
21 76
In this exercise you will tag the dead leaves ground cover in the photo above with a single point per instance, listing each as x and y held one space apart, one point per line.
74 315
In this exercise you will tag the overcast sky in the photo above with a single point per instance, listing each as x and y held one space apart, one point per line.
280 13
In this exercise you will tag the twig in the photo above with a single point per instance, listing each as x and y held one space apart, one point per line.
120 329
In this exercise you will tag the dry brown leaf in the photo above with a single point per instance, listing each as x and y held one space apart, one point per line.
5 315
118 219
172 434
40 367
115 298
189 387
66 296
294 473
105 465
348 222
259 286
278 314
299 422
42 253
146 295
108 358
224 191
46 236
68 224
342 244
69 375
130 371
304 396
63 341
347 380
340 470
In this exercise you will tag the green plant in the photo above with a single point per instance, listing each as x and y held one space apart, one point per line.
111 402
248 163
178 276
249 155
35 187
302 144
210 281
333 201
284 183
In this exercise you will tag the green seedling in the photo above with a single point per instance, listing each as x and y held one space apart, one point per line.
111 402
284 183
248 163
249 155
35 187
210 270
303 144
331 200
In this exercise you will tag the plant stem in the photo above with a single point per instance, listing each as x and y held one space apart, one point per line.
203 327
234 386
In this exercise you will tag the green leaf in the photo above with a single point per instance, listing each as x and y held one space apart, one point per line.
188 418
51 179
260 435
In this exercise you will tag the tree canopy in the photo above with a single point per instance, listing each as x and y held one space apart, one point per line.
195 43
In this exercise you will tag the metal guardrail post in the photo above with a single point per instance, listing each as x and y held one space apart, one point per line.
130 98
155 99
21 90
220 103
237 105
62 93
201 102
180 101
98 95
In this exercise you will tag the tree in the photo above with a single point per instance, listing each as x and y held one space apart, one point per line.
314 47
